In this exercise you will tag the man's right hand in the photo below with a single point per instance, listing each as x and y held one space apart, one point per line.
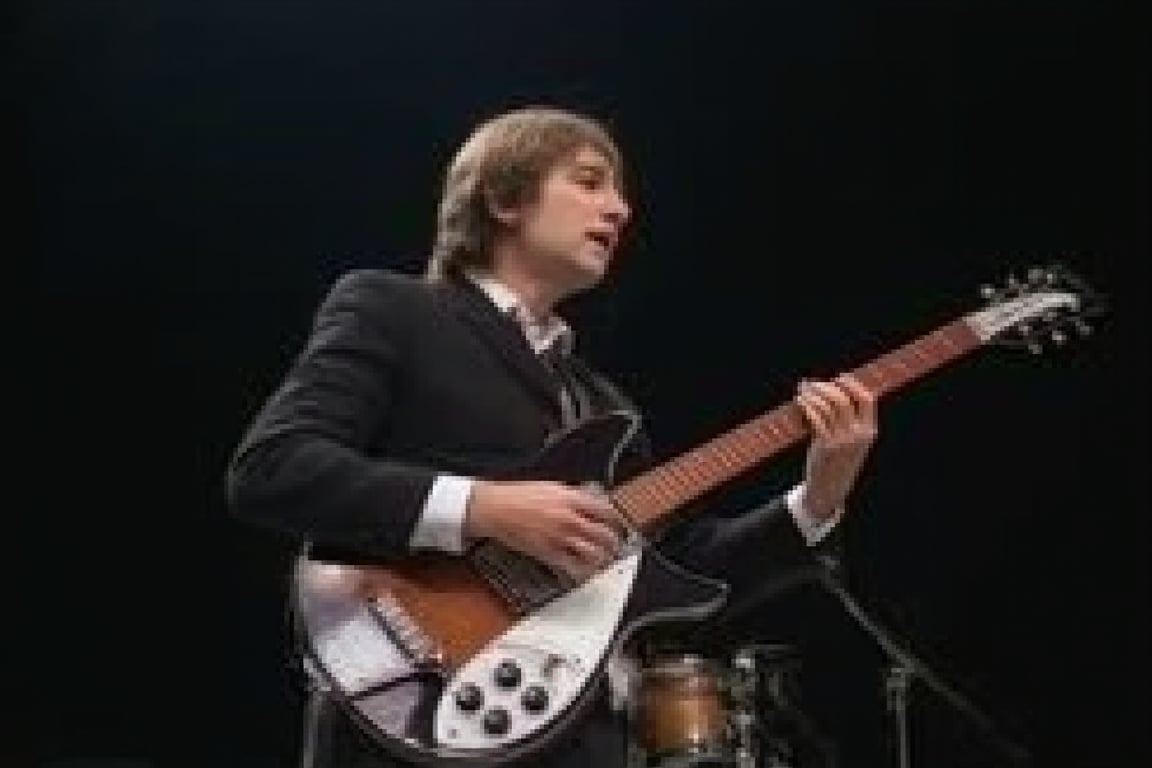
573 531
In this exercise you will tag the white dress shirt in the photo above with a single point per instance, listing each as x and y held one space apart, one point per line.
441 523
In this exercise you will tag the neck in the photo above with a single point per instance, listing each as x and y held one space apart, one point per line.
538 293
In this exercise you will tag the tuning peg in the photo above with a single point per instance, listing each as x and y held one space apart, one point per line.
1036 275
1082 327
1014 282
988 292
1034 347
1058 337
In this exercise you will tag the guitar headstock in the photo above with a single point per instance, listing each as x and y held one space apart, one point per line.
1047 305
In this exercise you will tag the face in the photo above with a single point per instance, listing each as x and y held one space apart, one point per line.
569 233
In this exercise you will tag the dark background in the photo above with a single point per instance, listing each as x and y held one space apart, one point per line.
813 182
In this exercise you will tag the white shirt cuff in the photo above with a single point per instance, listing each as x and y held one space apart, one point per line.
812 529
441 523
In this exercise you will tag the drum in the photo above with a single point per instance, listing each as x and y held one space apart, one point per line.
689 709
680 713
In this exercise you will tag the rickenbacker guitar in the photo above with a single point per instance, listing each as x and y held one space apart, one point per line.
482 659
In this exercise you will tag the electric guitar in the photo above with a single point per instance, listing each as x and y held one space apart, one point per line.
481 659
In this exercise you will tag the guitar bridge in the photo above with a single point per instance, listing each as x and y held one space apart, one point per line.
422 651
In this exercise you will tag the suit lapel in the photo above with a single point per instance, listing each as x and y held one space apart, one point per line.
504 337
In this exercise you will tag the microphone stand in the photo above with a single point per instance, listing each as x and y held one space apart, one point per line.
897 681
904 669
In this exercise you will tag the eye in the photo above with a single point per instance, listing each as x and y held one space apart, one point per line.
589 182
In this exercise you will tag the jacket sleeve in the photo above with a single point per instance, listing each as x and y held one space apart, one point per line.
301 466
758 553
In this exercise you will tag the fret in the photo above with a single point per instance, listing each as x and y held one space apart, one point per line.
770 426
655 494
685 472
893 375
936 352
747 446
789 421
726 454
667 490
870 376
708 458
728 457
631 499
947 347
641 495
903 371
919 359
706 471
908 362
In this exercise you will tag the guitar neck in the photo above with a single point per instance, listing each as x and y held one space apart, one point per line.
653 495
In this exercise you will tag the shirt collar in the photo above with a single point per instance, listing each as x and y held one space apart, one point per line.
541 335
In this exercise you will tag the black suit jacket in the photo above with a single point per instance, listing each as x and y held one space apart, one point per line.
402 379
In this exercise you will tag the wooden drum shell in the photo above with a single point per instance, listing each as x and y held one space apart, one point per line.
679 706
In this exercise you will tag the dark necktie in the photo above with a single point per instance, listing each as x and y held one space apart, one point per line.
573 398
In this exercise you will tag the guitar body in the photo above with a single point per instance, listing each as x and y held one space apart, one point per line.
484 659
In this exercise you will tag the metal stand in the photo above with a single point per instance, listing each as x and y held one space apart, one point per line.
897 682
904 668
312 738
781 734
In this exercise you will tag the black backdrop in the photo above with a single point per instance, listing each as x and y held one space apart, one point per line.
813 183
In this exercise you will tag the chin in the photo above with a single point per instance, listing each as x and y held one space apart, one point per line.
588 274
580 273
577 270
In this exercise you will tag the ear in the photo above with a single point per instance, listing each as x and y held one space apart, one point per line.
504 211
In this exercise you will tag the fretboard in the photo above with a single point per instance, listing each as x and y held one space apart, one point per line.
652 495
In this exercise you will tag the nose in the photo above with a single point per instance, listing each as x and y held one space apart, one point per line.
617 210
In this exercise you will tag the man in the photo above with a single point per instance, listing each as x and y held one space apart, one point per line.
412 397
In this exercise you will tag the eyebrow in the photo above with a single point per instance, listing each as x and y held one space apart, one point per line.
591 166
600 169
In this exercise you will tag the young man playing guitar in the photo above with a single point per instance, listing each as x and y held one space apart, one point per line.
392 434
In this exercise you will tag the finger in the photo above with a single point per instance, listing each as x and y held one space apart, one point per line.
840 405
582 558
816 417
589 553
595 506
570 565
813 396
601 536
864 398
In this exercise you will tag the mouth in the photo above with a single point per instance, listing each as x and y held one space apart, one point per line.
606 240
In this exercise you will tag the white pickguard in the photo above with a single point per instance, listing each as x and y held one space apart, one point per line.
558 648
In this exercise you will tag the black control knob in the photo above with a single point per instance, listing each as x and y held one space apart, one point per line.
469 697
507 674
534 699
497 722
